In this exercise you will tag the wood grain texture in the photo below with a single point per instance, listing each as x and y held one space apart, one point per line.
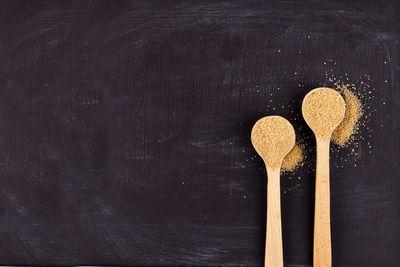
273 239
124 130
322 256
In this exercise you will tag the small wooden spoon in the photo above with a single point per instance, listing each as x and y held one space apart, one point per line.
323 110
273 137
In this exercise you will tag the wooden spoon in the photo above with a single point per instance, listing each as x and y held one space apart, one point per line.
273 137
323 110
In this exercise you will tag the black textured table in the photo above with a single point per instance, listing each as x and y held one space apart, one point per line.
125 130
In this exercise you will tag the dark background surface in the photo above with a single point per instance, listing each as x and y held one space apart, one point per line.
124 130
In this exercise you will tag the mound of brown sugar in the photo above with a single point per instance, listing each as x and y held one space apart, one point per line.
323 110
293 159
349 125
272 138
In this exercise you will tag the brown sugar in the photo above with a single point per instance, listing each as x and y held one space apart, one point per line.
273 137
358 95
349 125
293 159
360 107
323 109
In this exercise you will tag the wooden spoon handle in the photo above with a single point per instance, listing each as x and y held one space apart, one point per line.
322 219
273 240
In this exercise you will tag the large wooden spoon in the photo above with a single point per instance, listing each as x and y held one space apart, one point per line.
273 137
323 110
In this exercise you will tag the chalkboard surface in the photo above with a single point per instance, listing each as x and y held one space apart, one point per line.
125 130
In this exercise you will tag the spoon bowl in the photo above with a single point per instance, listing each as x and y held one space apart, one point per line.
323 110
273 137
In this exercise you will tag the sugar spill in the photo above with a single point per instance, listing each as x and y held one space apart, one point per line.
349 126
347 133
